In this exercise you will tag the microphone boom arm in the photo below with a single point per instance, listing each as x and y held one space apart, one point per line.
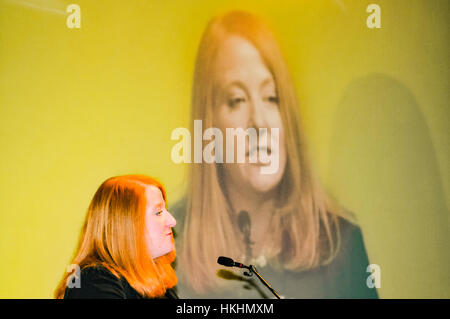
228 262
253 270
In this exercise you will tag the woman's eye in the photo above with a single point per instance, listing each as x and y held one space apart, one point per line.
159 213
273 99
235 101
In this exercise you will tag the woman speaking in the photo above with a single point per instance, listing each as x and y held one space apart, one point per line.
302 242
126 245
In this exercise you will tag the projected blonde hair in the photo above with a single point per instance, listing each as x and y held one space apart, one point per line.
114 236
304 225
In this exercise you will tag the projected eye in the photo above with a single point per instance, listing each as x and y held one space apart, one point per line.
234 102
273 99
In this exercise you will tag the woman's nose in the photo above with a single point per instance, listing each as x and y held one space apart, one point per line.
256 118
170 220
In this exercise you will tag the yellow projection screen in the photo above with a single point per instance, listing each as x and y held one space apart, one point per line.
348 100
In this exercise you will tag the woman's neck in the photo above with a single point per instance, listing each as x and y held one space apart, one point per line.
260 208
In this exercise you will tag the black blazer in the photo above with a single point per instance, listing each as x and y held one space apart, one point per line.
99 282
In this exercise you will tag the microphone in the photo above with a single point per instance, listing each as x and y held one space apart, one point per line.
228 262
244 222
245 228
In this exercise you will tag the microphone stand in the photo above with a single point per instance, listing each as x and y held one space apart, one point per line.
245 226
253 270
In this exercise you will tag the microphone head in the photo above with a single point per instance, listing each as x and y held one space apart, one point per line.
244 222
225 261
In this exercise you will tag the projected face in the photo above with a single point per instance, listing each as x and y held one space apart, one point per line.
247 98
159 223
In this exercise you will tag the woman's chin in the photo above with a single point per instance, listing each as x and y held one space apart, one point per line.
263 183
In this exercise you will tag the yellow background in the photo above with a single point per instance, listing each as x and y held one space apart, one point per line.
80 105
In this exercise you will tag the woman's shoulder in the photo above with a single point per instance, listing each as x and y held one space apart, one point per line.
97 282
348 227
350 233
352 260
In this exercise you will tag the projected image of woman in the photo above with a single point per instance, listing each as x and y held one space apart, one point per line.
283 222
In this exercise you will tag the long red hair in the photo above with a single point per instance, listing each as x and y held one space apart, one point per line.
113 236
305 213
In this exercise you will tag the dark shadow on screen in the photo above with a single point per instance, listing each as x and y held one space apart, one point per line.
383 164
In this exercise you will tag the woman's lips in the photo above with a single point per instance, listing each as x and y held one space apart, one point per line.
257 150
257 153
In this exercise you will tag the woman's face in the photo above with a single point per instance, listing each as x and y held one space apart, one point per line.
159 223
247 98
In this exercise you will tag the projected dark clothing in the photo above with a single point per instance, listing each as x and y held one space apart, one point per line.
99 282
344 277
